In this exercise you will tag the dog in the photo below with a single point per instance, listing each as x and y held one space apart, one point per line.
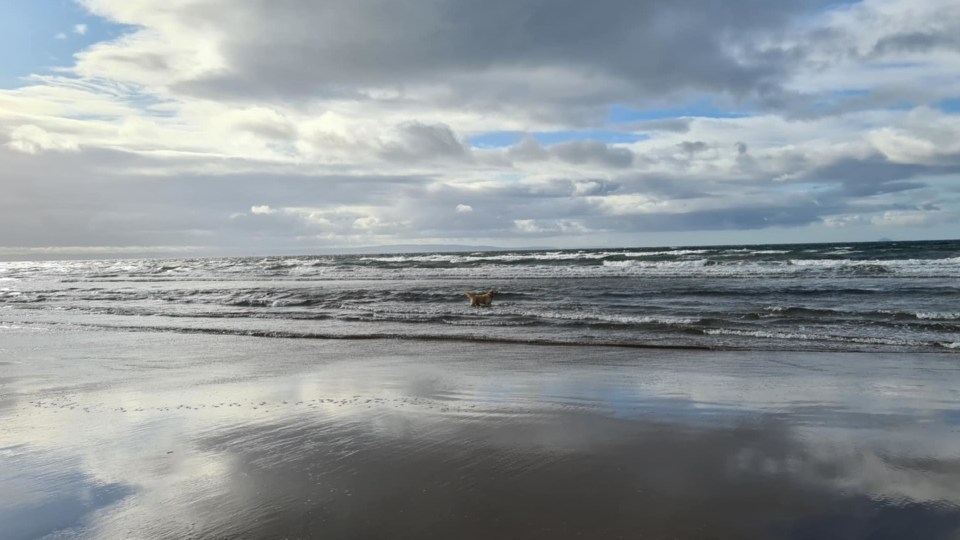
480 300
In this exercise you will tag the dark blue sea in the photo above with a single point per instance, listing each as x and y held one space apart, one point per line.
890 296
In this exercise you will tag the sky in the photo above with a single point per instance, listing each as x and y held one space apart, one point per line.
209 127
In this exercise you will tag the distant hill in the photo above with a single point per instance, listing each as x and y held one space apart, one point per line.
410 248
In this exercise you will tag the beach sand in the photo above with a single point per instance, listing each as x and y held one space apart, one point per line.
163 435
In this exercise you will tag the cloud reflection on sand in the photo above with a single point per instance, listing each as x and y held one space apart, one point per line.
274 437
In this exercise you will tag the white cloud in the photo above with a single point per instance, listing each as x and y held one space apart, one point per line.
31 139
843 221
549 226
924 136
366 222
907 218
262 210
464 208
260 121
80 29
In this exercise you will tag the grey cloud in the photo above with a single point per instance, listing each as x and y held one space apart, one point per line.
663 186
268 129
565 205
44 204
573 152
422 141
813 105
734 218
915 42
301 48
873 175
693 147
578 152
744 160
878 39
676 125
528 149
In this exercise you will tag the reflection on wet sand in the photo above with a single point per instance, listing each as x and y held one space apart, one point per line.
206 436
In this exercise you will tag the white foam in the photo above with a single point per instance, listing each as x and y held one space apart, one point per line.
608 317
953 315
18 327
671 252
654 265
526 256
810 337
487 265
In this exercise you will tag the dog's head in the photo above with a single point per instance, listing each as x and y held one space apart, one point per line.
491 294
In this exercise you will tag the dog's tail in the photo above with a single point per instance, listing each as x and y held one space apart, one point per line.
468 295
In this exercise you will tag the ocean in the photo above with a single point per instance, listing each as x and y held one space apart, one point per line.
877 297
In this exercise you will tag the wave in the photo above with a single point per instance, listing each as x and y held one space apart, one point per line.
759 340
788 311
766 334
361 336
30 328
739 262
514 257
606 318
932 315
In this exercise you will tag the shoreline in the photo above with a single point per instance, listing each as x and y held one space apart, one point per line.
940 347
113 434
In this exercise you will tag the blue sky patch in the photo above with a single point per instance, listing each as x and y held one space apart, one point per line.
950 105
39 35
851 92
704 109
501 139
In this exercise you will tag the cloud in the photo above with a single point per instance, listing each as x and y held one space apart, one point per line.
80 29
514 50
31 139
593 152
693 147
262 210
292 124
549 227
416 141
261 121
572 152
678 125
925 137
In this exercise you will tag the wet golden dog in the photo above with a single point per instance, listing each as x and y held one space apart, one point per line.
479 300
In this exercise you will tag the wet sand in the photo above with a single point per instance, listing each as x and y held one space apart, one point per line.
154 435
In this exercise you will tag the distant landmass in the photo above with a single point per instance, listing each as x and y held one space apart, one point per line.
411 248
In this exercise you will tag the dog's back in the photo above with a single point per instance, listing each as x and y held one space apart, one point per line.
484 299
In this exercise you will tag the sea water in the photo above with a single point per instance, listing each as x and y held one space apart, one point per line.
890 296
